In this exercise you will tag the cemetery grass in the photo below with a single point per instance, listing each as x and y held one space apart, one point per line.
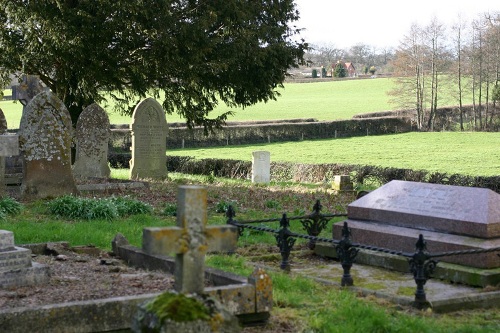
466 153
300 304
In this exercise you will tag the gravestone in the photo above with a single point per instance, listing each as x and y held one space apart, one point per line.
9 146
92 139
342 183
45 141
190 240
16 268
451 218
3 123
149 141
3 130
261 167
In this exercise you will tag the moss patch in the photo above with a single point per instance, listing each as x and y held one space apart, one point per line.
178 307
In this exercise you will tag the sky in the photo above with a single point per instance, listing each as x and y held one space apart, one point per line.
379 23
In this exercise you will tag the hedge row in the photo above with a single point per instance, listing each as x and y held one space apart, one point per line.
256 132
314 173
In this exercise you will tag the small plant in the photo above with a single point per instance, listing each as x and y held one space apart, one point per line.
84 208
170 210
222 206
209 178
9 206
128 206
273 204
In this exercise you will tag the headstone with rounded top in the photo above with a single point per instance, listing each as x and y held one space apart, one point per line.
149 143
261 167
45 141
92 138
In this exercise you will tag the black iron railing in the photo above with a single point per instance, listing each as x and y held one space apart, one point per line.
421 262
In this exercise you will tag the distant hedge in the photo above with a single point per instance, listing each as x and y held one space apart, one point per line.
314 173
269 131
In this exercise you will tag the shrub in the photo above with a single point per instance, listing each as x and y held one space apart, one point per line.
9 206
170 210
72 207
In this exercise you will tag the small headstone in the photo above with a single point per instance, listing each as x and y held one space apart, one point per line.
451 218
261 167
92 139
16 268
342 183
45 141
9 146
149 141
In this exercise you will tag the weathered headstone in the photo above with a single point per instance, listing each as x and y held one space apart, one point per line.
45 141
342 183
451 218
3 123
3 130
261 167
149 143
92 139
9 146
190 240
16 268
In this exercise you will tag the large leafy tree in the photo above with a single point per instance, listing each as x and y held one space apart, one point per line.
195 53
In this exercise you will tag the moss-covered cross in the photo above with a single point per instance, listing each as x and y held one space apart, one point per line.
190 239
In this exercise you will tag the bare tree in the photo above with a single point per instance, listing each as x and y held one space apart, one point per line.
409 70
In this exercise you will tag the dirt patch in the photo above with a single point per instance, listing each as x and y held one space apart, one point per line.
81 277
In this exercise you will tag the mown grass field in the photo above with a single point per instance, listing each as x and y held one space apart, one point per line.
470 153
321 100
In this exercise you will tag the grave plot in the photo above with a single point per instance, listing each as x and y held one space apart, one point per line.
248 298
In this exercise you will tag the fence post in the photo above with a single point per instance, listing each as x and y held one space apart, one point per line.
346 253
422 268
285 242
314 224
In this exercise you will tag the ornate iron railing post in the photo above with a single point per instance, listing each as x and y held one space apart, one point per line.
422 267
230 214
285 242
346 253
314 224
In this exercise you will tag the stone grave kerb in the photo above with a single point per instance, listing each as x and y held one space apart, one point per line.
190 240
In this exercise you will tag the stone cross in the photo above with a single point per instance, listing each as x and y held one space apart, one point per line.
27 89
190 239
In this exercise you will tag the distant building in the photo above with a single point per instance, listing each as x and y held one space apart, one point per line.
349 68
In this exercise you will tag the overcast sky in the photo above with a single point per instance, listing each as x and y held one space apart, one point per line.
380 23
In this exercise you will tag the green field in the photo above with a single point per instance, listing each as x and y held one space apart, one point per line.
470 153
321 100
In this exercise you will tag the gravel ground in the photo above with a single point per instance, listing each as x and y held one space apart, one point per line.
78 277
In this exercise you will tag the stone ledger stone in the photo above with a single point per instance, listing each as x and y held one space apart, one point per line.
451 218
45 141
16 268
261 167
92 140
149 143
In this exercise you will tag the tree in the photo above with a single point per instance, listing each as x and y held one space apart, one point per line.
339 70
196 53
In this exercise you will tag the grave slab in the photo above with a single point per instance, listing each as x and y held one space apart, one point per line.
468 211
451 218
261 167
